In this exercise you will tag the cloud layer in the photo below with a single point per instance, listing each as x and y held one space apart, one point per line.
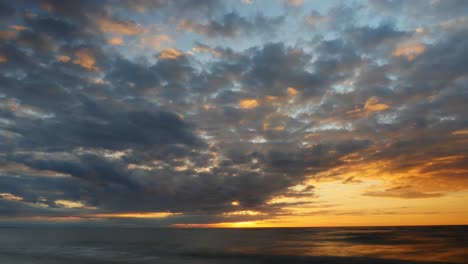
212 113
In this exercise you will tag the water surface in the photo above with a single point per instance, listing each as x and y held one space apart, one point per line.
276 245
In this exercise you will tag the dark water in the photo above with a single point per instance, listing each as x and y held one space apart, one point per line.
171 245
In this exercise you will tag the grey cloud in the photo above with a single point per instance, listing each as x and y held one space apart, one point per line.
232 25
368 38
6 11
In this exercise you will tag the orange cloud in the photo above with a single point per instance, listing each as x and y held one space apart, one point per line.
3 59
373 105
85 59
18 28
62 58
245 224
244 212
248 103
5 34
409 50
115 41
272 98
292 91
370 106
268 126
48 6
148 215
155 41
10 197
122 27
170 54
69 204
460 132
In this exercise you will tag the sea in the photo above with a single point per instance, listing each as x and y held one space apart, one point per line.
92 245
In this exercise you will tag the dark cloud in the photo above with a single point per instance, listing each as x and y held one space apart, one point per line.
232 25
6 11
369 38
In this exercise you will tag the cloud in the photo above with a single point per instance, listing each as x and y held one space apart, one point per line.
351 180
232 25
69 204
122 27
402 192
155 41
460 132
372 105
248 103
315 19
63 58
10 197
409 50
6 34
6 11
85 59
294 2
170 54
115 41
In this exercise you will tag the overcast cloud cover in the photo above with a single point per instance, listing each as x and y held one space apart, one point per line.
206 108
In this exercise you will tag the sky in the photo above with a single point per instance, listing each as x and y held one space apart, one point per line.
236 113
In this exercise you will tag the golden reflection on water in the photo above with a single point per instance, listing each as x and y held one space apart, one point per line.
361 243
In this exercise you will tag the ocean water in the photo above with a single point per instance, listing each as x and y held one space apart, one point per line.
276 245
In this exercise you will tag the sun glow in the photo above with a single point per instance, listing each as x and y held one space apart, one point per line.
148 215
243 224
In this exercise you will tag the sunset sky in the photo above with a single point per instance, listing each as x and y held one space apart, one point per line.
235 113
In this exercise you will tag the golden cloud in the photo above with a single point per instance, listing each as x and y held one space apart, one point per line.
373 105
69 204
62 58
248 103
370 106
291 91
136 215
18 28
122 27
115 41
268 126
170 54
48 6
409 50
5 34
155 41
460 132
85 59
10 197
244 212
